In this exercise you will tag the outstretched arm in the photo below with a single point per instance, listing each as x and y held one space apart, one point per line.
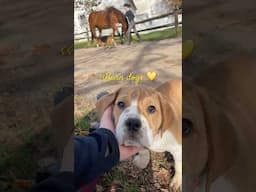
94 155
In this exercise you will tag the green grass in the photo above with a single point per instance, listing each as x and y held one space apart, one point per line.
23 161
83 123
160 35
153 36
79 45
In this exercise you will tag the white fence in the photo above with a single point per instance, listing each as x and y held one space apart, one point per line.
144 24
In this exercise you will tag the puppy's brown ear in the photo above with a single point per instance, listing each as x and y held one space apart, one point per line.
170 96
172 89
222 140
166 113
105 101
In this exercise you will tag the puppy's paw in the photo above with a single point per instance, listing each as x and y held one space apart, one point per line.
142 159
176 184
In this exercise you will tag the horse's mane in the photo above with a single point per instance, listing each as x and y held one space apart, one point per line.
113 9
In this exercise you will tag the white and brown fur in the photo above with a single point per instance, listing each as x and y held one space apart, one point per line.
159 131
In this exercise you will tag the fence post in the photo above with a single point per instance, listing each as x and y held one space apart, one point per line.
87 34
176 19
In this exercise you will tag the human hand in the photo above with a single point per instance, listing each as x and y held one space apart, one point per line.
107 123
128 151
107 120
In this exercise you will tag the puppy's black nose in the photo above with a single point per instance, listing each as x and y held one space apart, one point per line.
133 124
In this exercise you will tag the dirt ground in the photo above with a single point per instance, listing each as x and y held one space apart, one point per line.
162 57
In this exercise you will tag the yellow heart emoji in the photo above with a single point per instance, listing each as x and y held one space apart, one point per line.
151 76
187 48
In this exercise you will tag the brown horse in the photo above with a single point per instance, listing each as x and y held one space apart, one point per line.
108 18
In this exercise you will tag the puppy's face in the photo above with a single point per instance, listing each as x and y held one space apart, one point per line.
139 114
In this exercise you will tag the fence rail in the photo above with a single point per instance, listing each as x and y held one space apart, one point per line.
158 17
143 21
157 27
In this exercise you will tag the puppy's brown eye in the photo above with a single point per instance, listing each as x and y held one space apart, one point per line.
121 104
187 126
151 109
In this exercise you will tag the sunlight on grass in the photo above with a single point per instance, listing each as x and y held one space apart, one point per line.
79 45
160 35
82 123
84 114
23 163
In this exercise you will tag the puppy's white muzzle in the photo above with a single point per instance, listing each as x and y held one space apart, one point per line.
133 128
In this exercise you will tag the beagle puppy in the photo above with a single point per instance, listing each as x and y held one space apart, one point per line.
106 41
218 127
151 118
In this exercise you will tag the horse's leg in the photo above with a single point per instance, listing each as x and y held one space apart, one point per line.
100 33
93 33
121 36
113 40
91 25
115 30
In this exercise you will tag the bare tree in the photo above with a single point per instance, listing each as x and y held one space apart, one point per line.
175 3
89 5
